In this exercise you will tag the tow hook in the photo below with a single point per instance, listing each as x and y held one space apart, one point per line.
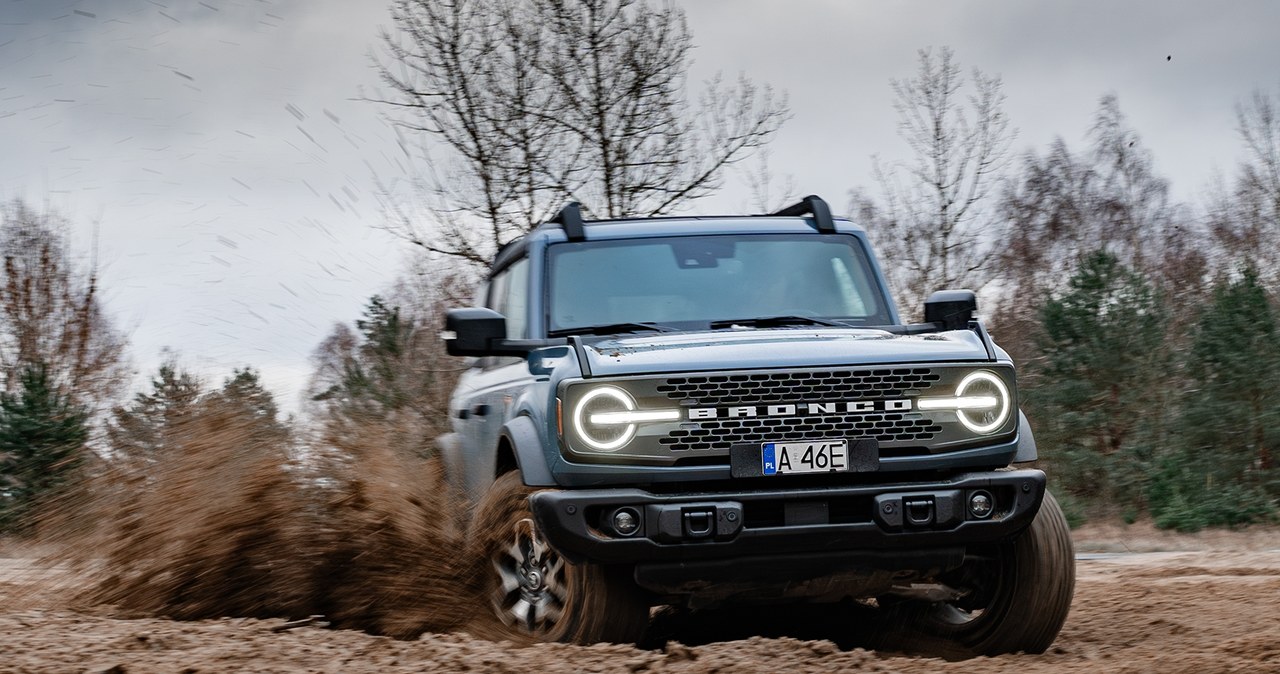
936 510
918 511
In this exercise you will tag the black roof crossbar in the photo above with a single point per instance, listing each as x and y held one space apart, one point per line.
815 206
570 218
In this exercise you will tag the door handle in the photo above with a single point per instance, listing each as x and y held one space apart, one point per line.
480 410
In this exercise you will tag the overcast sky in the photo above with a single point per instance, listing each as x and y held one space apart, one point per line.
221 149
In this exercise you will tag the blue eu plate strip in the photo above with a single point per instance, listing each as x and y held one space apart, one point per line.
770 461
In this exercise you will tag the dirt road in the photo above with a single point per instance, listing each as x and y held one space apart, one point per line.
1213 607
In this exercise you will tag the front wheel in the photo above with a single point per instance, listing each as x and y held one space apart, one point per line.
535 595
1015 596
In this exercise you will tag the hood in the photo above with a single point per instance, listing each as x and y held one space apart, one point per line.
776 348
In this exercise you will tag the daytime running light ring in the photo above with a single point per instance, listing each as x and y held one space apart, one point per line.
579 424
1004 401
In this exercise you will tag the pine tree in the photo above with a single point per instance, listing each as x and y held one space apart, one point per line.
243 393
42 436
139 433
388 377
1234 364
1220 470
372 376
1098 401
386 340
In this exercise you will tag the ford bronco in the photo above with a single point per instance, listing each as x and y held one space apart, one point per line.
716 411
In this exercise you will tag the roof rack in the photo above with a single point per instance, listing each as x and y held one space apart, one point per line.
570 218
815 206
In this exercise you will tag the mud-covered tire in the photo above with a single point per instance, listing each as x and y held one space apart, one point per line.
1029 582
531 594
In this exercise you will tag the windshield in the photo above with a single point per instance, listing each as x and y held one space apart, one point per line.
693 281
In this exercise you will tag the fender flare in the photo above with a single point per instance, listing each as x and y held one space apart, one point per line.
1026 441
526 444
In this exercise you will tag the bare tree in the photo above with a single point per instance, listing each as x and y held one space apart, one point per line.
931 224
50 315
526 105
1065 206
767 194
1258 123
1246 219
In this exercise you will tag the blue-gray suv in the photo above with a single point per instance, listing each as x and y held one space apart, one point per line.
716 411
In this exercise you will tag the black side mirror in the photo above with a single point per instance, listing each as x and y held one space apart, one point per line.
952 309
473 331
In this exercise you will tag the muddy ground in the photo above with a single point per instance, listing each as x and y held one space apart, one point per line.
1146 601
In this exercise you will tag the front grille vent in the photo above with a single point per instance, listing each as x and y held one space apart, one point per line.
909 428
895 428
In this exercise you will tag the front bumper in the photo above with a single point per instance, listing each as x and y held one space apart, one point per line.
884 520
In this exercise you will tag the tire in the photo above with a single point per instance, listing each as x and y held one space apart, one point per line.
532 594
1018 600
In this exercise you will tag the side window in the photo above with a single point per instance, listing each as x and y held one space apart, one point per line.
508 295
517 303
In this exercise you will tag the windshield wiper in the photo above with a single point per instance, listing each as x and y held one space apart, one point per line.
610 329
776 321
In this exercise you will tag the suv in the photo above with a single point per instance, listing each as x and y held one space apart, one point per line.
716 411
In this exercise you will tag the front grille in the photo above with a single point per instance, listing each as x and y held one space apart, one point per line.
725 433
732 389
896 428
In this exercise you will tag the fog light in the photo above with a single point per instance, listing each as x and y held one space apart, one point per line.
626 521
981 504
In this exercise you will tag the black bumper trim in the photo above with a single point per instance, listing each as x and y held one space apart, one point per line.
819 520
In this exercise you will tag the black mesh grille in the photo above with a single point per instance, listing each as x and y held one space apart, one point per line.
898 428
780 387
722 434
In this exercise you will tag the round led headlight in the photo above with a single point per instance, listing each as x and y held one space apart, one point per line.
605 418
981 402
604 404
988 402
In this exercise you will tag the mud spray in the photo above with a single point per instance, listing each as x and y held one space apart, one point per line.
238 523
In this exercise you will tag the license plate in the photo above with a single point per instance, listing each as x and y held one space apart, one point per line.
790 458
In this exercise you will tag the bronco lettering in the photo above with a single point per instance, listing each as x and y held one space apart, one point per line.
802 409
